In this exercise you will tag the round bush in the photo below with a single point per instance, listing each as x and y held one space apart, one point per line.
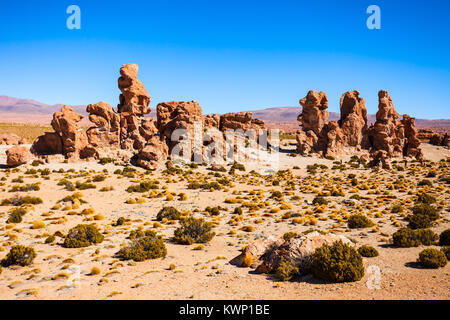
426 209
368 251
286 271
19 255
170 213
432 258
320 200
337 263
420 221
359 221
194 230
83 235
406 237
444 238
148 247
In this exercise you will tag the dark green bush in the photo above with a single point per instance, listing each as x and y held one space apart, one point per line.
83 235
214 211
446 251
425 198
138 233
19 255
406 237
143 187
15 216
120 221
432 258
19 201
359 221
50 239
397 208
289 235
425 182
426 209
444 238
368 251
286 271
147 247
320 200
419 221
337 263
237 210
170 213
194 230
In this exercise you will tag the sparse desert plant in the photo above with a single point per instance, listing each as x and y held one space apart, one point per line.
50 239
425 198
95 271
432 258
406 237
194 230
337 263
368 251
83 235
359 221
19 255
247 261
170 213
444 238
286 271
289 235
147 247
320 200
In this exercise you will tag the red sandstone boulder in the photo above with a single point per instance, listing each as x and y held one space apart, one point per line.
11 139
134 98
314 115
17 155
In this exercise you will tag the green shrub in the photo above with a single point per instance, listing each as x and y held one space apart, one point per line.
214 211
337 263
15 216
237 210
142 187
289 235
397 208
432 258
170 213
425 198
50 239
19 255
419 221
426 209
26 188
368 251
148 247
425 182
406 237
84 185
83 235
120 221
286 271
194 230
359 221
138 233
19 201
444 238
355 197
446 251
320 200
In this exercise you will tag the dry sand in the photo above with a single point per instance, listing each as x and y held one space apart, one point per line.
202 274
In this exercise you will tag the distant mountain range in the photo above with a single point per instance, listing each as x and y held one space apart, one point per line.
31 111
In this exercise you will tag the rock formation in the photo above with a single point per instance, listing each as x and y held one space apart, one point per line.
10 139
270 252
388 137
434 138
127 134
17 155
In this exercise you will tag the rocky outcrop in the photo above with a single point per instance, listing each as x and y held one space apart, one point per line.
434 138
269 253
353 120
11 139
127 134
17 156
394 137
73 137
240 121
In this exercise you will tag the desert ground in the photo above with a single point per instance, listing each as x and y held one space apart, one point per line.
203 271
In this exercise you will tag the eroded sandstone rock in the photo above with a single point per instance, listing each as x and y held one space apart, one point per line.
11 139
17 156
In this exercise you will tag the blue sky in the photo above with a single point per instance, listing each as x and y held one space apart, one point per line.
230 55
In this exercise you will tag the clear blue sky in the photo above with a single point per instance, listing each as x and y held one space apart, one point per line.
230 55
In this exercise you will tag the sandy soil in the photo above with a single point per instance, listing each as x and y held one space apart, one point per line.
207 274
